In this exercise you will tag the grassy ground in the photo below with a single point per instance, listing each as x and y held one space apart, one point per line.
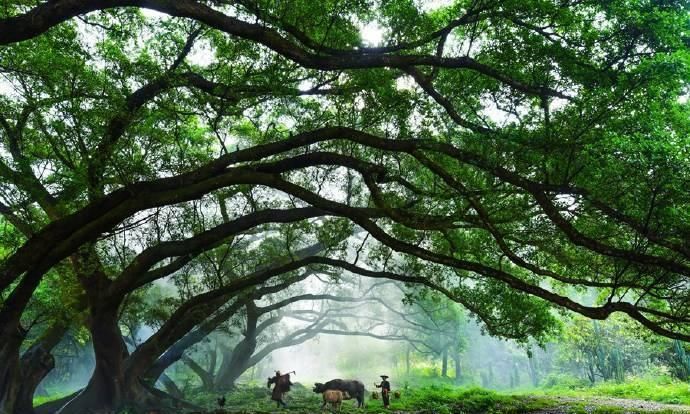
659 389
439 397
53 396
437 400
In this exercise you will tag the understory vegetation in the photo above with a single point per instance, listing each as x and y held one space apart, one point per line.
447 398
662 389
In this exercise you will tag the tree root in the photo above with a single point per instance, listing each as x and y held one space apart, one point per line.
156 399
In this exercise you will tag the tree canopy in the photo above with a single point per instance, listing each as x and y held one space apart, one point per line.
509 155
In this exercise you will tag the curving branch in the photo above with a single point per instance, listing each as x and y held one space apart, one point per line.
62 237
46 15
130 279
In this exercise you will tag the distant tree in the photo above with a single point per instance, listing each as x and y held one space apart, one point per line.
604 350
439 324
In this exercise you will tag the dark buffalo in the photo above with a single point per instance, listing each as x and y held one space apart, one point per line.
353 387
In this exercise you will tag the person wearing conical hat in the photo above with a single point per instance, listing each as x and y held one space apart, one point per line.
385 390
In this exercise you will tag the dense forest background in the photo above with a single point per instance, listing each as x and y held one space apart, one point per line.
450 350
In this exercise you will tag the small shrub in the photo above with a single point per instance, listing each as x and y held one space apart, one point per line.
564 381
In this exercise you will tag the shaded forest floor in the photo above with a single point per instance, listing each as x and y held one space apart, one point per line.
441 400
636 396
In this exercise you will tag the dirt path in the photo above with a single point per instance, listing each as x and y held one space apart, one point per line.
630 406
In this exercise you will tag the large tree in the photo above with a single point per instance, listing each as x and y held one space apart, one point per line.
506 154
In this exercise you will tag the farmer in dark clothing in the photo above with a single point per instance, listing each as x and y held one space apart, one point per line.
385 390
282 385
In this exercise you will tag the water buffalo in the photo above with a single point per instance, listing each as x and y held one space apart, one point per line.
353 387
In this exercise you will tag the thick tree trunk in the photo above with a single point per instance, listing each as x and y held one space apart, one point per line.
20 377
10 373
36 363
11 338
235 363
106 389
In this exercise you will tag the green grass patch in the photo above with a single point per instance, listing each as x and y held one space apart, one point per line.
433 399
52 397
442 399
659 389
445 399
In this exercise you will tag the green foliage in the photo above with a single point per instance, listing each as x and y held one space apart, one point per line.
431 399
564 381
441 399
682 361
660 389
609 156
334 232
605 350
